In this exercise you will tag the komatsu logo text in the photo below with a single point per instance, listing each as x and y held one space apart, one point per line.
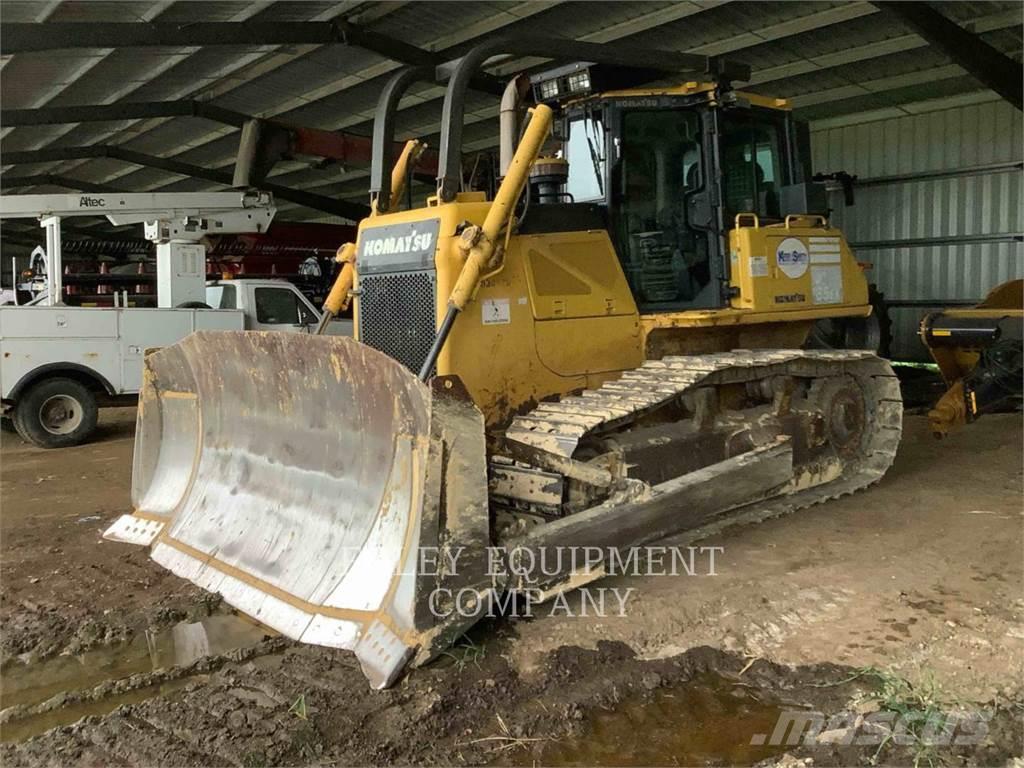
415 242
398 247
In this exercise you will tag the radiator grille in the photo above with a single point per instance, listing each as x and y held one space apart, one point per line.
397 315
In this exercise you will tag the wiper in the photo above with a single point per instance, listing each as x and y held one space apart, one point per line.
595 157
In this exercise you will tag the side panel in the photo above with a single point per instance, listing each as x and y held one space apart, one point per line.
31 337
143 329
23 356
66 323
575 274
778 268
110 342
557 317
589 345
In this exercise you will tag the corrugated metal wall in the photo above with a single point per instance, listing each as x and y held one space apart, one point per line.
987 203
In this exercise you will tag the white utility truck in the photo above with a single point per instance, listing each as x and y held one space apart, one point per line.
60 364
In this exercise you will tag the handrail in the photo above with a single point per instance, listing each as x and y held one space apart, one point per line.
823 220
382 154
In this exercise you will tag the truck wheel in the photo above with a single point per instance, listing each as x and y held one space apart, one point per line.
56 413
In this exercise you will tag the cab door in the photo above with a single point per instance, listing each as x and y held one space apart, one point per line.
663 217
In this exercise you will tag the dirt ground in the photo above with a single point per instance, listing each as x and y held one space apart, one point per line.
916 580
64 590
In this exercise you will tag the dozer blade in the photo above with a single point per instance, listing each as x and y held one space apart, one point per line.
300 477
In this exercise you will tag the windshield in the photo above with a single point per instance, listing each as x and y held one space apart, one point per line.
584 150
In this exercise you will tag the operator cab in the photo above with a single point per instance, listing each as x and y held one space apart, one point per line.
668 170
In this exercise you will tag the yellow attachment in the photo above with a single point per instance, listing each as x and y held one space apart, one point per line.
338 299
410 154
950 411
479 243
956 361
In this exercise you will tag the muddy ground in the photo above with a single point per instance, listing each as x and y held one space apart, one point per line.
916 582
64 590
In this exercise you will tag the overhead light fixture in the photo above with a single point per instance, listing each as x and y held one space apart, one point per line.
579 82
571 80
548 89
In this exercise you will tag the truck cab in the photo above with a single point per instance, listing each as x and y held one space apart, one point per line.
271 305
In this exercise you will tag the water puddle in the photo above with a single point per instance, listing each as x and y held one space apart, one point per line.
179 645
34 725
709 721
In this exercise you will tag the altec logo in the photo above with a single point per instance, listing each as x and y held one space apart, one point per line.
412 243
91 202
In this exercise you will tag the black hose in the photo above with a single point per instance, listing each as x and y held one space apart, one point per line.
439 340
325 320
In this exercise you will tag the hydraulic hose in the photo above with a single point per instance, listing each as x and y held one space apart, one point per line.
479 244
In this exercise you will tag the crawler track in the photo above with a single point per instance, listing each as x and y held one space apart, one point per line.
561 426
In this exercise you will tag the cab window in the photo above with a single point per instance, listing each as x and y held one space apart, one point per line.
584 150
221 296
280 306
751 166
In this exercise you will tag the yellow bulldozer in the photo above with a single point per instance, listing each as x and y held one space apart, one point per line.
605 352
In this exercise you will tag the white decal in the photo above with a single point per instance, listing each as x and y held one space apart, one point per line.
792 257
825 257
759 266
496 312
825 250
827 285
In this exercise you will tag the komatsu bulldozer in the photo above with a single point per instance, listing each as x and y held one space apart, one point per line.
606 352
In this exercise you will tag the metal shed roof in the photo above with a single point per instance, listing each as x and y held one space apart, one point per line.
831 59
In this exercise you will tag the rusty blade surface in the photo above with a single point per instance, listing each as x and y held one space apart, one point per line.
286 472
